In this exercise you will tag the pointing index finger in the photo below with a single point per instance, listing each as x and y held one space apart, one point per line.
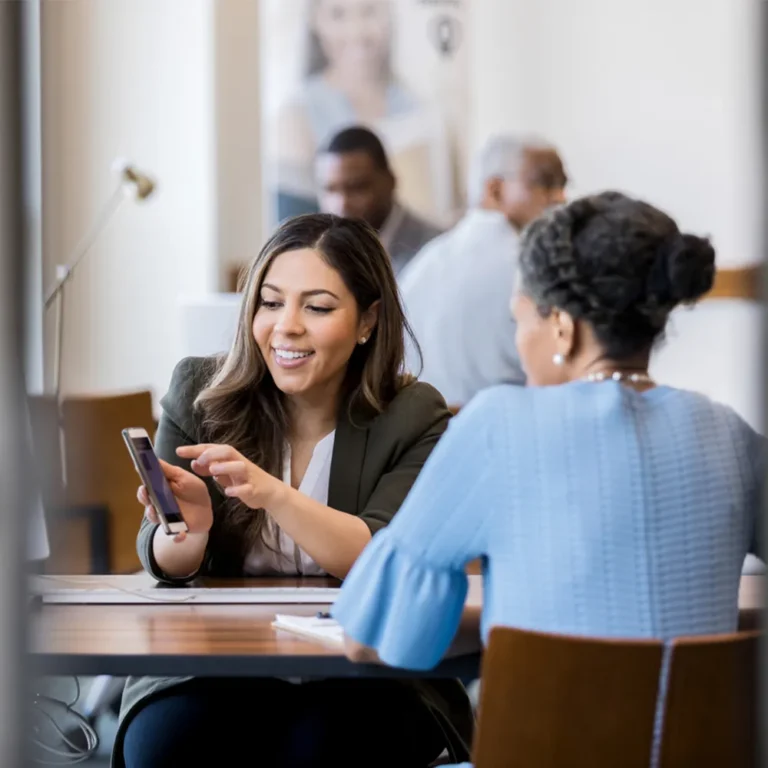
191 451
207 452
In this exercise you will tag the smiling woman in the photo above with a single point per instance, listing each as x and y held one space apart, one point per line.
309 331
286 456
320 333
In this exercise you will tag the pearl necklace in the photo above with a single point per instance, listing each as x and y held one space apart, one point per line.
635 378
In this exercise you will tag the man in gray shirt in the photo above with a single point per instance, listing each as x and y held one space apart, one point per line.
457 289
354 179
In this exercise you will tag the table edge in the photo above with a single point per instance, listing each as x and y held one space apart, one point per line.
245 665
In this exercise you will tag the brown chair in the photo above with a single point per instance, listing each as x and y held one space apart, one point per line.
77 536
551 701
99 471
710 718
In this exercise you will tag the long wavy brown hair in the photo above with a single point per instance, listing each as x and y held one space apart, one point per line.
241 406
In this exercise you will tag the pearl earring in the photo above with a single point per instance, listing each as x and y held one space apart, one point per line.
363 340
558 359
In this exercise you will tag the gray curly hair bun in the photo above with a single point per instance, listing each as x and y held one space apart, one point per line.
619 264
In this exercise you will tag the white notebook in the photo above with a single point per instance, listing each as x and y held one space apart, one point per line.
325 630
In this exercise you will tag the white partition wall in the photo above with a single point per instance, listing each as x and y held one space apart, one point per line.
715 348
132 79
206 323
659 98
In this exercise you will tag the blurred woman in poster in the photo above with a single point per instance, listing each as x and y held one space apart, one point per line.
349 79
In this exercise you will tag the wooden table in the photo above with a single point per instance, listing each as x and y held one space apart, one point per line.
225 640
203 640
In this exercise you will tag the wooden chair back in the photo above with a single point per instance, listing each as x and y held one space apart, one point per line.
551 701
710 716
99 470
69 538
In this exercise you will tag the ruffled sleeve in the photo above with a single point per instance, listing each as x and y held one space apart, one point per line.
405 594
408 611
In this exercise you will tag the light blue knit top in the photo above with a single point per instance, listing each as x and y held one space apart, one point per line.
598 510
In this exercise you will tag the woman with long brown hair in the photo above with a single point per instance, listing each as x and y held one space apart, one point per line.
286 456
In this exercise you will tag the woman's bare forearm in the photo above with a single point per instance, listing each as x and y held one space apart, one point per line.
333 539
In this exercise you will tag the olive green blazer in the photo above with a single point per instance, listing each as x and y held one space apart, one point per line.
375 462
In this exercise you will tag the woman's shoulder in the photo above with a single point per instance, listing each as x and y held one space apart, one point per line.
414 398
418 405
689 414
416 408
712 414
190 376
697 406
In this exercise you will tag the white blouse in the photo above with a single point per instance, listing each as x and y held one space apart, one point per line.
278 553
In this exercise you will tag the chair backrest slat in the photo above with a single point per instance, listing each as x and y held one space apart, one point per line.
555 701
98 468
711 702
551 701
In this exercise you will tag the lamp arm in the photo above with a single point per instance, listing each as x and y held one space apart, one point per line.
82 248
56 293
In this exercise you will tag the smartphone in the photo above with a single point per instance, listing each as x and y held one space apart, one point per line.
151 473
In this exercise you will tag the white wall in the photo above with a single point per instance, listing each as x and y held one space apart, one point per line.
238 133
129 78
715 348
659 98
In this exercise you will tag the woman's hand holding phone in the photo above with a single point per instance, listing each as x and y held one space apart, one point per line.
239 477
191 495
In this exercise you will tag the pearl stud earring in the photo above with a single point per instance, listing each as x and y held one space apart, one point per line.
558 359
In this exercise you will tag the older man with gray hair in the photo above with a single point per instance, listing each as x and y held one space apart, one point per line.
457 289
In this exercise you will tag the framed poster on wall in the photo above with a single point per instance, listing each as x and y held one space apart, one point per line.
398 67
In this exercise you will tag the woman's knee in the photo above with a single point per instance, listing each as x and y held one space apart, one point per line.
371 723
219 721
170 731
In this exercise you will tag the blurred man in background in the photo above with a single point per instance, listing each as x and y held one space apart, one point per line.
354 179
457 290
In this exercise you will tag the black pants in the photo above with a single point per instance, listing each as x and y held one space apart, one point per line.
276 724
